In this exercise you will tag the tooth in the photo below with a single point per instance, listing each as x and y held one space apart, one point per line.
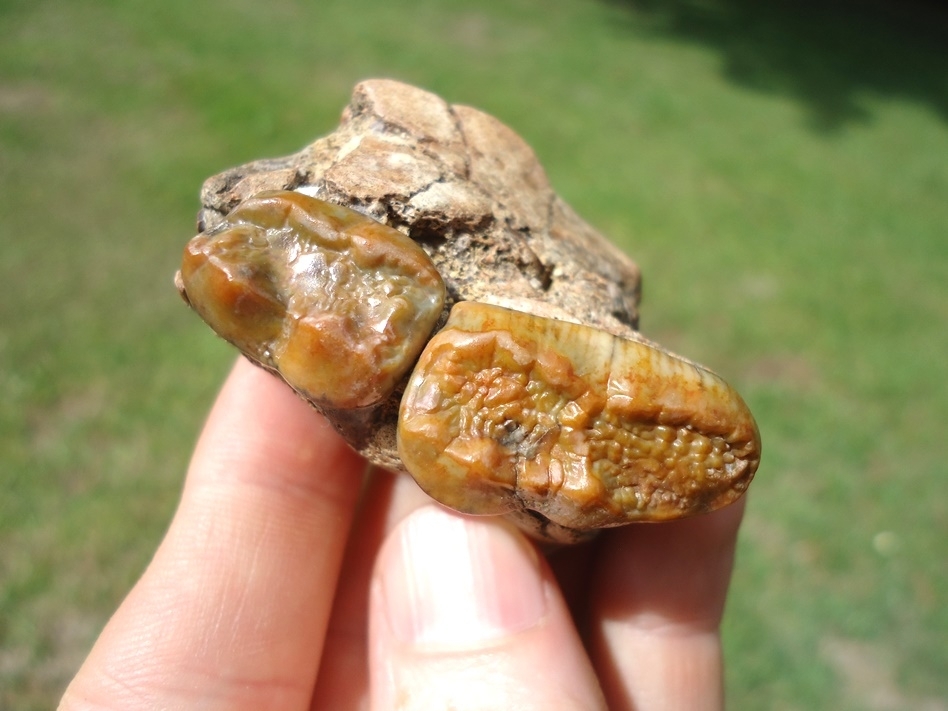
507 411
336 302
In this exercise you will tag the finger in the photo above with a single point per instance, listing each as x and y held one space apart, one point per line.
465 615
232 610
656 608
343 681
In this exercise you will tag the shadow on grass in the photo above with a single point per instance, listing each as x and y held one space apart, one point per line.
830 56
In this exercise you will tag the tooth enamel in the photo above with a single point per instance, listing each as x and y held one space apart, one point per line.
340 304
507 410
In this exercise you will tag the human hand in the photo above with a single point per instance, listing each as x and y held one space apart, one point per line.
293 579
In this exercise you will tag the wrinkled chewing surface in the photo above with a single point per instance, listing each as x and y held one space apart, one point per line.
506 410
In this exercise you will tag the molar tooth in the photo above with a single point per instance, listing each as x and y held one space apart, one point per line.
336 302
599 417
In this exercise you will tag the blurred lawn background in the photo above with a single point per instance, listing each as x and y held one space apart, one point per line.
778 169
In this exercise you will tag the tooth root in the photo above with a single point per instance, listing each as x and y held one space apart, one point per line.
336 302
506 410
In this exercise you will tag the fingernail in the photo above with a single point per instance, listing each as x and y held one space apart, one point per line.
452 581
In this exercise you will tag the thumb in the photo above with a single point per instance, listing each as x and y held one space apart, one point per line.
466 615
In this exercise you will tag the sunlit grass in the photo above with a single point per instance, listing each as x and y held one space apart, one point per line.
789 219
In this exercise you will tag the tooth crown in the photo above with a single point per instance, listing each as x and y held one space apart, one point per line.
506 410
338 303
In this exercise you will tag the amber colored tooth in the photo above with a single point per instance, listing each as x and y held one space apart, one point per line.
506 410
340 304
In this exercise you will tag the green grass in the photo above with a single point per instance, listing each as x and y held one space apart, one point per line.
778 170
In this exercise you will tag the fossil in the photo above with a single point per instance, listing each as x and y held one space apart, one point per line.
337 303
414 276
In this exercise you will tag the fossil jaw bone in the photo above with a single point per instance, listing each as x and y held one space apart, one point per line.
477 221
